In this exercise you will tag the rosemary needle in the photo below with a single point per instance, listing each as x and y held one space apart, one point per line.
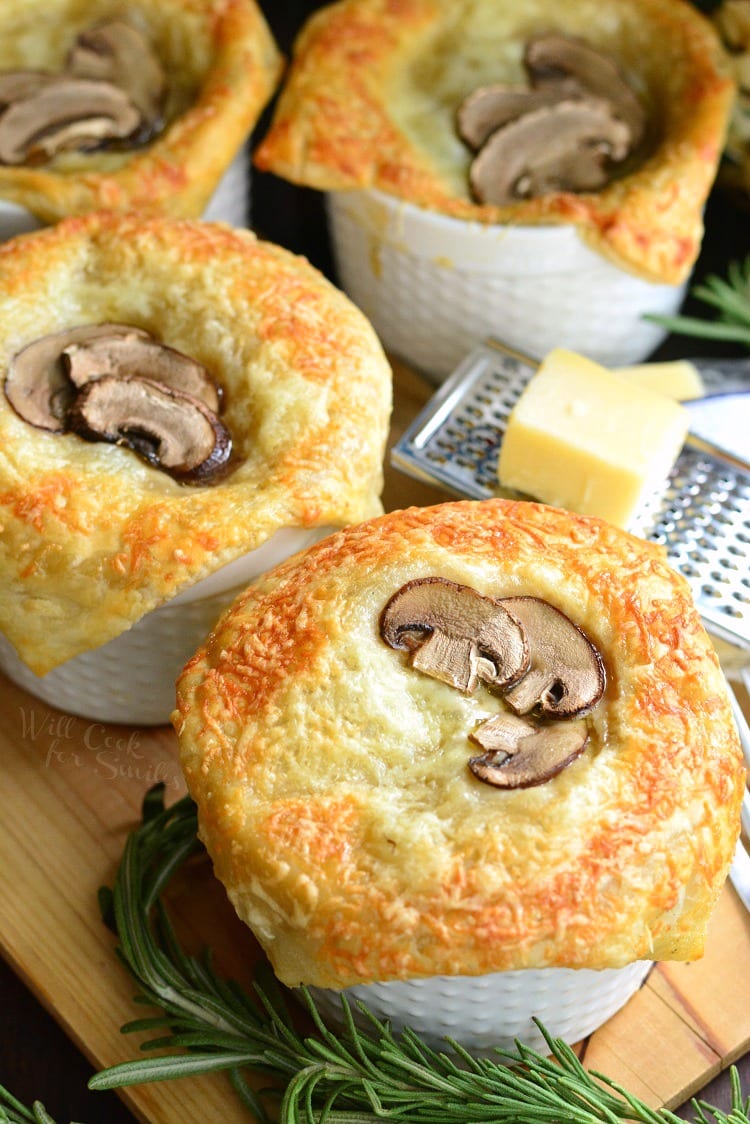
13 1112
362 1074
730 296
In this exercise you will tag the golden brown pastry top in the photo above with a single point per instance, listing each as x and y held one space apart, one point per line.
222 67
371 99
92 537
332 782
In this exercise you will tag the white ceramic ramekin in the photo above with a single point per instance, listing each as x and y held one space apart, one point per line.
15 220
434 287
230 201
483 1013
131 679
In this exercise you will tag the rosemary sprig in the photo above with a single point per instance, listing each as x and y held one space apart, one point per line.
732 299
362 1074
13 1112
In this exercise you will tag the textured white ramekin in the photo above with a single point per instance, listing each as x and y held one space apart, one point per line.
230 201
434 287
131 679
16 220
487 1012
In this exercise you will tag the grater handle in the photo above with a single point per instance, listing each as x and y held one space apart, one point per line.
723 376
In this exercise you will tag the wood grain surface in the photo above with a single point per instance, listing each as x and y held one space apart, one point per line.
71 790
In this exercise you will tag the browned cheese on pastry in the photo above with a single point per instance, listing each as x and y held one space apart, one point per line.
91 536
219 66
375 85
330 760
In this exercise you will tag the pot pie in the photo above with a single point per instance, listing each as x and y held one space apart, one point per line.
111 105
463 740
97 314
375 90
732 18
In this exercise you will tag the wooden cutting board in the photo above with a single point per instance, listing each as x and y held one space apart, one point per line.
71 790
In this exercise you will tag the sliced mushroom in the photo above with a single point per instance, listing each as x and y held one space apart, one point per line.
564 147
490 107
552 60
37 385
76 136
170 430
70 113
135 353
455 634
520 754
117 52
17 84
566 674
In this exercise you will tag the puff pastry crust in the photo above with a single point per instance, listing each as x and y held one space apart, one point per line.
222 67
92 537
332 783
375 84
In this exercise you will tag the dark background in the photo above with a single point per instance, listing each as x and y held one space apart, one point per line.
37 1060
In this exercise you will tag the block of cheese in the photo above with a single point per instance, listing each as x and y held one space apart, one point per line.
583 439
677 379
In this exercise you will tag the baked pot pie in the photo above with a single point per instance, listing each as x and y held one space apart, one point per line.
372 114
732 18
484 746
105 104
182 406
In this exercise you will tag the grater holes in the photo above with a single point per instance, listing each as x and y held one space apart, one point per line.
723 519
690 532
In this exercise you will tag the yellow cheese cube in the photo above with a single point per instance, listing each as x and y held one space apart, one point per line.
583 439
678 379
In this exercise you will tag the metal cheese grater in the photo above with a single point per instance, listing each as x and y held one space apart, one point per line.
701 517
